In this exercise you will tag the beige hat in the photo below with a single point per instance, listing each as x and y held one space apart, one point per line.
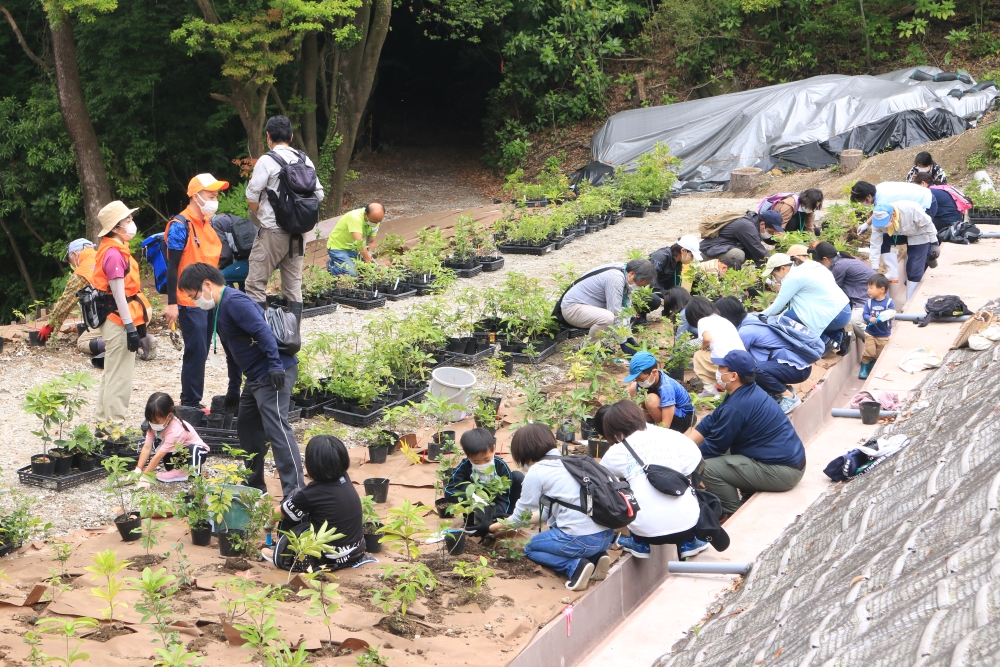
797 250
776 261
112 214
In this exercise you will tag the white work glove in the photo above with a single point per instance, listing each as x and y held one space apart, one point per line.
143 483
863 228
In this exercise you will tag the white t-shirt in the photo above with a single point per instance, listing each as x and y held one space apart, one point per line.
725 337
659 514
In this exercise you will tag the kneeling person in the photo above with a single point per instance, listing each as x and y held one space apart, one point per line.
667 402
329 498
480 464
748 443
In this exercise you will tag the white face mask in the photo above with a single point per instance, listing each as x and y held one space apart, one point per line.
923 170
765 235
130 231
209 206
158 427
718 377
202 302
481 468
647 383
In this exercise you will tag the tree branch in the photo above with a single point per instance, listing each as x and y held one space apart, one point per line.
24 216
297 136
222 98
24 44
20 260
208 11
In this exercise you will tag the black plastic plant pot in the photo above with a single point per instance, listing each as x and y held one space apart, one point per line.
215 420
64 463
869 412
43 465
456 345
127 525
33 339
227 547
201 537
676 373
85 463
492 400
471 346
388 439
508 368
597 448
565 432
377 488
434 451
454 542
442 505
193 416
377 454
1 344
372 544
444 438
587 430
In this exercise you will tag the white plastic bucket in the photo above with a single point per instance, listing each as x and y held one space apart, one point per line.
455 384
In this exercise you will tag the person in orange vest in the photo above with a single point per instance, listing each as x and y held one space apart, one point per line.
81 255
126 309
190 240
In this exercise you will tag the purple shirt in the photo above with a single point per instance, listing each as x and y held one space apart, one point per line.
115 265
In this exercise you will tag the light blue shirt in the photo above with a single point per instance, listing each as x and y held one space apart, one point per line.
812 292
893 191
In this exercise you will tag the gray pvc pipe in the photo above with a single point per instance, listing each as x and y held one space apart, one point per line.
990 235
691 567
903 317
856 414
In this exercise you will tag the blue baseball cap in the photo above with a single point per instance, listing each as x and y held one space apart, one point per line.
740 362
641 362
773 220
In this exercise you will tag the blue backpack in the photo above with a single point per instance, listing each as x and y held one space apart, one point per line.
154 249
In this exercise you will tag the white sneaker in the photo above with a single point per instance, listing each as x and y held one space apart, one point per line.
708 392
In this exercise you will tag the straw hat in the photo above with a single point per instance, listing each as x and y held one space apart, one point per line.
112 214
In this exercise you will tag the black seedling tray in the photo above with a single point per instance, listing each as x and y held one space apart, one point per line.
60 483
319 310
364 421
635 213
491 264
565 241
361 304
469 273
526 249
216 437
294 415
10 548
403 292
574 332
465 359
316 409
541 355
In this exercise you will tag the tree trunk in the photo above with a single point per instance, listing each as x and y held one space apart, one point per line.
250 102
22 267
357 72
310 67
89 163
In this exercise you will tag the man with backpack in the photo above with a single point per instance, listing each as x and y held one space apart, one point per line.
237 235
284 195
252 352
190 239
740 238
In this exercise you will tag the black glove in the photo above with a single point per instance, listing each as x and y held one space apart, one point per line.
132 340
232 403
277 380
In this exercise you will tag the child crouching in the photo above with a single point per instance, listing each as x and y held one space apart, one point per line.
166 435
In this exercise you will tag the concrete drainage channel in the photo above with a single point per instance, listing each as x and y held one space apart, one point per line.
569 638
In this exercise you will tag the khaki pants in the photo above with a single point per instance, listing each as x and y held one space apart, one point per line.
725 474
83 342
704 368
588 317
116 382
873 348
270 249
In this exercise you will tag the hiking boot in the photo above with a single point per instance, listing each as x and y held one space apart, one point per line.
601 566
637 549
581 577
175 475
865 370
691 549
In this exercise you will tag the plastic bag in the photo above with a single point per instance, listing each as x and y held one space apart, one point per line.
984 339
921 359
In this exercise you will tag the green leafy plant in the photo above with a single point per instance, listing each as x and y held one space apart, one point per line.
155 591
280 655
17 525
106 566
403 530
410 581
182 566
309 543
260 627
321 596
55 403
121 482
152 504
67 629
369 513
479 572
370 657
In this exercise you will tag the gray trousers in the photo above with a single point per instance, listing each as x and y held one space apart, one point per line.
263 419
270 249
725 474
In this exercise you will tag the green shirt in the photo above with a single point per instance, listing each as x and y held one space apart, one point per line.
352 222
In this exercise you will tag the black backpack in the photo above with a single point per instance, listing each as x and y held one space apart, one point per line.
295 205
962 233
603 497
941 307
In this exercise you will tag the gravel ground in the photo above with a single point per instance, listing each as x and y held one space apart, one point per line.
22 367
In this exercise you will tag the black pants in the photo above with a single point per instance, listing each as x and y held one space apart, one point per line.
263 420
682 424
195 458
655 301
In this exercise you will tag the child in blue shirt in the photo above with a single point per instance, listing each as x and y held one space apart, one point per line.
667 402
879 326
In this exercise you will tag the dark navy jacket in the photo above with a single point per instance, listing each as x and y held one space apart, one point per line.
251 349
463 475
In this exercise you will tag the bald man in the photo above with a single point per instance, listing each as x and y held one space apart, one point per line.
343 247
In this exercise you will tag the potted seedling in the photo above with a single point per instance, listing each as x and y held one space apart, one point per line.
84 446
55 403
476 500
440 410
308 546
446 467
378 487
16 523
485 411
152 505
193 507
378 443
120 487
372 523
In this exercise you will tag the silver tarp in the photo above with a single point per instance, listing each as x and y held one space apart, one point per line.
712 136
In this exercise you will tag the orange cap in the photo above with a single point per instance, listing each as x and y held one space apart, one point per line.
205 182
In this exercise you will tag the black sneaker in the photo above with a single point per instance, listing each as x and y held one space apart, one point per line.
845 344
581 577
602 563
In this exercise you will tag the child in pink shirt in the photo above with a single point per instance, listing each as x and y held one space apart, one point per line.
167 434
